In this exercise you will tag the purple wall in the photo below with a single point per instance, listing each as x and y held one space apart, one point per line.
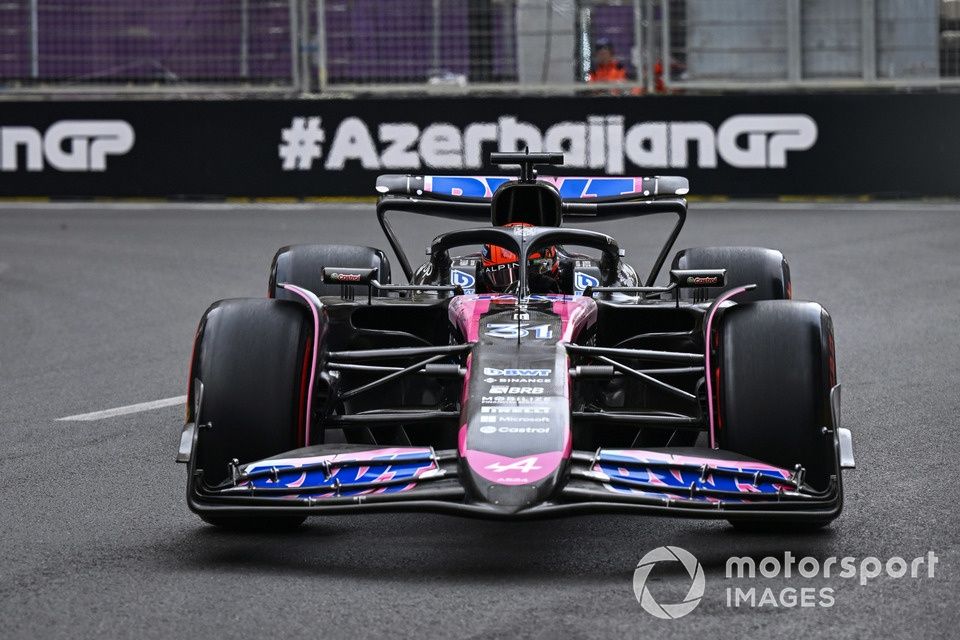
372 40
149 40
200 40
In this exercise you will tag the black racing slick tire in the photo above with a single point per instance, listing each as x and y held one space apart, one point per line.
766 268
252 358
775 368
303 264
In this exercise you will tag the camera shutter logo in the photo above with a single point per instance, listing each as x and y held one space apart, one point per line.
646 599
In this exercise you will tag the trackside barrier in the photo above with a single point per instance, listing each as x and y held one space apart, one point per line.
884 145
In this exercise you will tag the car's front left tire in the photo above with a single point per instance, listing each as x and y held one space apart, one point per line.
251 358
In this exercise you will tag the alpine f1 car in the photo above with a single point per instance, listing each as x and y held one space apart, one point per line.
524 370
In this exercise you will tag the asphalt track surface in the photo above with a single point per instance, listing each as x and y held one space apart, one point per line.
98 306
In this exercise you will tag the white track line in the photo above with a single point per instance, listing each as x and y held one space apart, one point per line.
130 408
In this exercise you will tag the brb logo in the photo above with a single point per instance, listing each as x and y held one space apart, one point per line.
662 555
67 145
601 142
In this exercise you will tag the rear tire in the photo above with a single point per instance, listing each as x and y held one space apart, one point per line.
766 268
776 369
252 357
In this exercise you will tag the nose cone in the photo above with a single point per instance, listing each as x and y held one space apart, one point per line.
516 411
513 484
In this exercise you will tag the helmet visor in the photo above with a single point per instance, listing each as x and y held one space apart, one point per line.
501 277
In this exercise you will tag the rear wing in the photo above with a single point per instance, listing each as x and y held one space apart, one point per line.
571 188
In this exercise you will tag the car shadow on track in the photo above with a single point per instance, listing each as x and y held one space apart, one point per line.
413 548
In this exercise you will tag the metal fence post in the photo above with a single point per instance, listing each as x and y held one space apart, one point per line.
794 54
294 48
244 38
638 40
34 39
435 39
321 45
665 41
648 10
868 39
306 82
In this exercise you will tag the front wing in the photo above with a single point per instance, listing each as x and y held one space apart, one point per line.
327 479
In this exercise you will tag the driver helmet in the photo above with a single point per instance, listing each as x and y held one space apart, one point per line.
499 270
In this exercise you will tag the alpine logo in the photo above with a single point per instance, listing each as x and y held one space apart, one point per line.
524 465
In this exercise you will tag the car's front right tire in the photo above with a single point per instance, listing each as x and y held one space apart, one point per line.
775 368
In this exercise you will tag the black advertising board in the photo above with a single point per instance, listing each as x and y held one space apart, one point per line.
739 145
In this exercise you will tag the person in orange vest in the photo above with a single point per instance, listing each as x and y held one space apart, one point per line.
606 68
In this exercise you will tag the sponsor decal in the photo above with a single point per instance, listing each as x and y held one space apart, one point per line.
345 277
514 410
465 280
509 299
335 275
703 280
513 391
510 399
518 373
491 430
583 280
66 145
601 142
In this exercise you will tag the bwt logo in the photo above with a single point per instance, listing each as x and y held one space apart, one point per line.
67 145
601 142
